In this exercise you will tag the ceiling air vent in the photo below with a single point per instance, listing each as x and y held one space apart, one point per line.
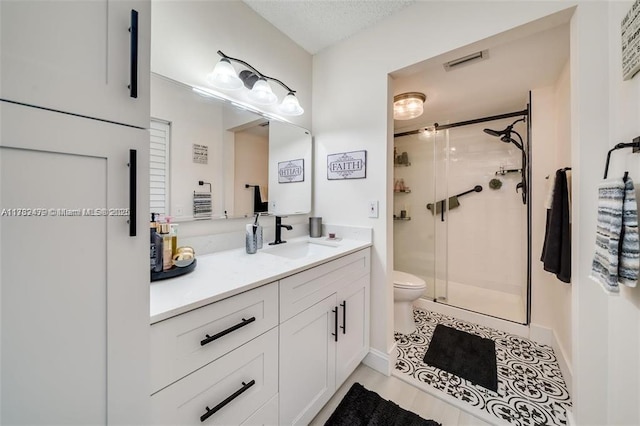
466 60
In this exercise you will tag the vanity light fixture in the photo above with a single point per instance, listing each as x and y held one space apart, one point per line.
408 105
224 77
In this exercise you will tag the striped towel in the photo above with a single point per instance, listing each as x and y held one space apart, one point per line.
616 260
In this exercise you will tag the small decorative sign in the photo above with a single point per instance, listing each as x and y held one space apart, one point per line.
200 153
291 171
347 165
630 32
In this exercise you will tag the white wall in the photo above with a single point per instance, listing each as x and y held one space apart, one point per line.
623 321
186 34
352 111
185 38
551 150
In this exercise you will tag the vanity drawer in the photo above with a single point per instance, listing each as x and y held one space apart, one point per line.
180 345
246 379
301 291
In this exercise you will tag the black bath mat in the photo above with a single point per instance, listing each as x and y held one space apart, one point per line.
466 355
361 406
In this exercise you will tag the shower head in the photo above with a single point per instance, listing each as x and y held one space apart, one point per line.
505 135
495 133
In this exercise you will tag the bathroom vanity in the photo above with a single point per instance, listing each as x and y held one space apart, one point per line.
259 339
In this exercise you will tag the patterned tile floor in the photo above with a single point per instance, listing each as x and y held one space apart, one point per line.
531 390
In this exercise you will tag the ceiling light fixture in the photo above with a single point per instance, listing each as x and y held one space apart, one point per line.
408 105
224 77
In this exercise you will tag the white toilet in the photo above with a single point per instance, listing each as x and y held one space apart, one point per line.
406 289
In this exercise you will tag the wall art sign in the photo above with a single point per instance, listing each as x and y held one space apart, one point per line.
347 165
200 153
630 32
291 171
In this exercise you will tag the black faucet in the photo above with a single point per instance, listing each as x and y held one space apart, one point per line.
279 226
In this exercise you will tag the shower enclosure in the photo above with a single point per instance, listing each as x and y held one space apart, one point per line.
462 213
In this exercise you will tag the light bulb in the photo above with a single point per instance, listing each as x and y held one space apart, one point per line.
261 93
224 76
290 105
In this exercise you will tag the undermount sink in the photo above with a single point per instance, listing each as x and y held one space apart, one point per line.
300 249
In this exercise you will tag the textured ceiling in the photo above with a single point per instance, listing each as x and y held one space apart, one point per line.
316 24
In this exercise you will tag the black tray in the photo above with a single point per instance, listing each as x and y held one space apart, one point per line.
173 272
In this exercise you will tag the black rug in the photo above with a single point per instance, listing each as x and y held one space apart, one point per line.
361 406
466 355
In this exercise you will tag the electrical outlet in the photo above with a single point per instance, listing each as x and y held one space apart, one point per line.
373 209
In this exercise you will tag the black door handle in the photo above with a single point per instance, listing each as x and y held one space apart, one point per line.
211 411
335 317
133 191
133 61
210 339
344 317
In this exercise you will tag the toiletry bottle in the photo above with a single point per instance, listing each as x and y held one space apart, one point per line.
156 246
258 234
167 258
173 231
153 252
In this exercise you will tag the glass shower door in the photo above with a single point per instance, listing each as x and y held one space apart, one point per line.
481 240
414 224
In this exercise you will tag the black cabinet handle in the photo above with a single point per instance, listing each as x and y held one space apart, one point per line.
335 317
133 191
344 317
133 86
210 339
211 411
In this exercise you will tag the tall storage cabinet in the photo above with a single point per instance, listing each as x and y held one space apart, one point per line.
78 57
74 283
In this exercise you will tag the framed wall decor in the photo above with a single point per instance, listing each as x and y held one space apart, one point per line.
291 171
347 165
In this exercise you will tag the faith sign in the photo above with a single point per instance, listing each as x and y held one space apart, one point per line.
347 165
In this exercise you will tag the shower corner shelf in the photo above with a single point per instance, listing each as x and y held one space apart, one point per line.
401 165
406 191
402 218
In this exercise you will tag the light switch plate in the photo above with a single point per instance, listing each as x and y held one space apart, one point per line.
373 209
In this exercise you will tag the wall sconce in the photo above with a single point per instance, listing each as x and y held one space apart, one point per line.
408 105
224 76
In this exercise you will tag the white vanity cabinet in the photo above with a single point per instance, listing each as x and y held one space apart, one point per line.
217 364
80 57
324 333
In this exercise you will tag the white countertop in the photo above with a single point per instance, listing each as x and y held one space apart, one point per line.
227 273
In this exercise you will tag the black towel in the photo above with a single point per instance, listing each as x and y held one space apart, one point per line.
556 250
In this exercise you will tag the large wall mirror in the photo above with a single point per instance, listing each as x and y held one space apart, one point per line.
211 159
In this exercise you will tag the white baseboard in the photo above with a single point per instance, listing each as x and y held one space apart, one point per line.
380 361
548 336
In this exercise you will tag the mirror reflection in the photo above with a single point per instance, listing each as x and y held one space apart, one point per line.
213 160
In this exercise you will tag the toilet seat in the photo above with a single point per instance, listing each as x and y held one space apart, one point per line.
405 280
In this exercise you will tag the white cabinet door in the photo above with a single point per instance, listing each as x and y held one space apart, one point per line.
353 333
76 56
307 362
74 284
